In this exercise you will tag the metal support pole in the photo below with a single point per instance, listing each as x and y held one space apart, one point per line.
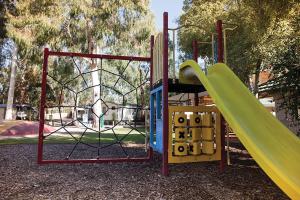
228 148
150 150
220 41
227 132
223 153
223 129
151 60
42 107
195 57
225 61
225 45
212 48
165 167
195 51
174 49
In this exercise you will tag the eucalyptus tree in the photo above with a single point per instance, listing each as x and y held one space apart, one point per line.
107 27
88 26
266 37
8 6
261 27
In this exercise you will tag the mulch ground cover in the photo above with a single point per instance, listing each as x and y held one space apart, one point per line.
22 178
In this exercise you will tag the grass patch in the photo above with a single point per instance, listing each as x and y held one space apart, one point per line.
23 140
89 137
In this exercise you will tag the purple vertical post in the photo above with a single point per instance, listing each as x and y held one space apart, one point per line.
220 41
223 127
195 57
151 61
165 167
42 106
195 50
150 151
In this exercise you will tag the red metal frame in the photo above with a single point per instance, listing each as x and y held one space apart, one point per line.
151 76
195 50
220 41
165 167
48 53
195 56
220 60
42 106
103 56
151 61
105 160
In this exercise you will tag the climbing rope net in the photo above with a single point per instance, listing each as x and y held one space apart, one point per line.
94 106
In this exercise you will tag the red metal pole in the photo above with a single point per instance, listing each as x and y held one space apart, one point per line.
42 106
223 153
165 167
220 41
150 151
107 160
151 59
103 56
195 57
223 127
195 50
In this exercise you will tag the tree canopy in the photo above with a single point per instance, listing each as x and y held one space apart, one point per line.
263 28
266 36
87 26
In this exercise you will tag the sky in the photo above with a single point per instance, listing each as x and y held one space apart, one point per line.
173 7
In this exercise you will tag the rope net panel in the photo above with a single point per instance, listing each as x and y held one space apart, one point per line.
95 108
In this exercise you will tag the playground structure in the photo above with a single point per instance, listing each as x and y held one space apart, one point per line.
188 132
188 141
71 122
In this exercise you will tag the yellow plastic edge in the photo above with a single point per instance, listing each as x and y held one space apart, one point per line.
274 147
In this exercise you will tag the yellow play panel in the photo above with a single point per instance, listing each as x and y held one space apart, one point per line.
186 142
274 147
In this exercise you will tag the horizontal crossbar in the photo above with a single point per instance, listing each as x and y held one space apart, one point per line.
101 56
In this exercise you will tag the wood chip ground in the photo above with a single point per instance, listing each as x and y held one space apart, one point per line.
22 178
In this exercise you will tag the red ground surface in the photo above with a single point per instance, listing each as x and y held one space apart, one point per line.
21 128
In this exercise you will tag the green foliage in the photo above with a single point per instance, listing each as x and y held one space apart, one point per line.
88 26
287 82
5 6
266 37
2 21
4 79
262 26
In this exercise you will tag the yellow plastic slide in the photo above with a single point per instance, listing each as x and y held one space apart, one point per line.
274 147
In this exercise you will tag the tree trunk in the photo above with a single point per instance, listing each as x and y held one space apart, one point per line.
256 78
96 97
74 115
11 90
95 78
